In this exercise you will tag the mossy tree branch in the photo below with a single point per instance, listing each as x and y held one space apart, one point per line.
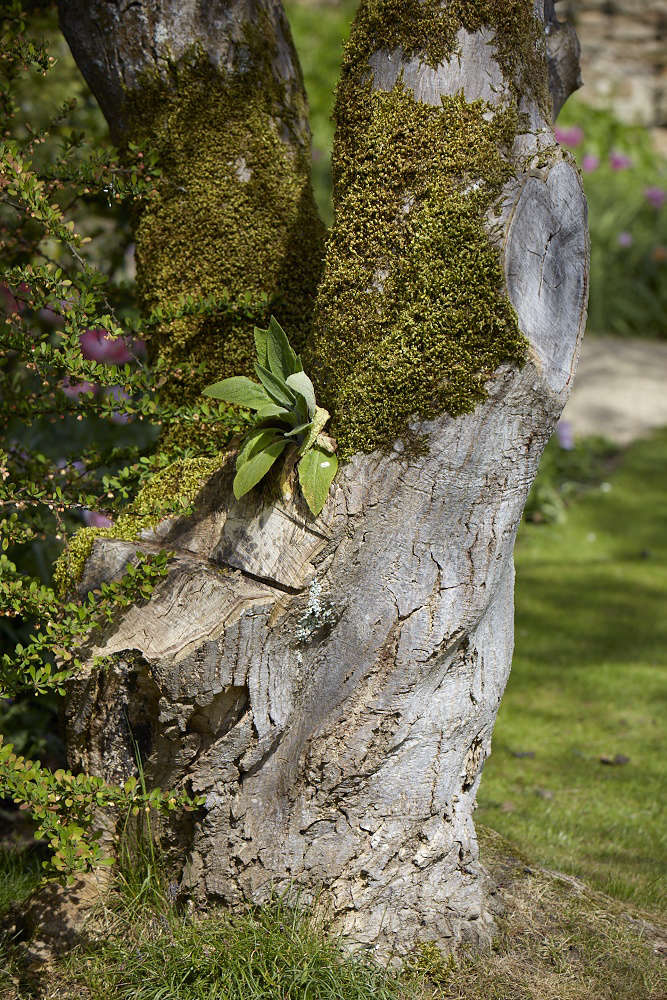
217 91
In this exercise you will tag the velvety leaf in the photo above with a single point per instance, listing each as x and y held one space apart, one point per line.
282 359
240 391
317 469
300 383
273 410
261 337
299 429
257 467
256 440
276 388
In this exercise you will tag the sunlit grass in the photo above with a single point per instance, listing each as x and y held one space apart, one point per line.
588 681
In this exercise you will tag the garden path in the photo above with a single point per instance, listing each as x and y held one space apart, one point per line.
620 390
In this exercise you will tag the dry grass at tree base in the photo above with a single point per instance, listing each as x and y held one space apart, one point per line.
557 940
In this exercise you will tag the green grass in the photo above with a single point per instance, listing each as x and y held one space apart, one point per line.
588 680
555 941
20 873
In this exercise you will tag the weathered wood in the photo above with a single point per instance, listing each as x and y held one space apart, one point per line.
331 687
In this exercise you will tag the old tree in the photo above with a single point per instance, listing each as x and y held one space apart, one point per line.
330 685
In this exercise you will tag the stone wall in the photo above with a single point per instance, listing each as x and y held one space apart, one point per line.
624 55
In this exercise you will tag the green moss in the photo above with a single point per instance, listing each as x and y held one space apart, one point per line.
167 494
413 316
234 217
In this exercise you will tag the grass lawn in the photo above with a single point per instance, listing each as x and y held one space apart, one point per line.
588 681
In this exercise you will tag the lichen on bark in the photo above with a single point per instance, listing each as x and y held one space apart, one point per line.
413 318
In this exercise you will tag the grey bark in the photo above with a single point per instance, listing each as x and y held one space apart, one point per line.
117 44
563 51
331 687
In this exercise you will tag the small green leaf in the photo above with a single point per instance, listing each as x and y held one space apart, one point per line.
317 469
272 410
282 359
252 471
299 382
240 391
276 388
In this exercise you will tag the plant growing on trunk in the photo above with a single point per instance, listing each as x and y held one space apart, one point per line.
286 415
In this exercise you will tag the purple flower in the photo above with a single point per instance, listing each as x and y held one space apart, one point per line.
565 435
625 239
115 392
619 161
75 389
572 136
96 520
656 197
590 163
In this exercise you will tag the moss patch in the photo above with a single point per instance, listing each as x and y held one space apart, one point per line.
234 218
167 494
412 316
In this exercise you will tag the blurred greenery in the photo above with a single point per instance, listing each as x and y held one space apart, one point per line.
626 187
588 682
320 30
567 468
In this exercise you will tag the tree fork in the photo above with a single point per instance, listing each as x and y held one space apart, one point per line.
331 686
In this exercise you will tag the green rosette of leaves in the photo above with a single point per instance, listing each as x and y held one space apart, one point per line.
287 414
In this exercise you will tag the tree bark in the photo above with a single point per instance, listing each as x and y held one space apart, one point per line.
331 686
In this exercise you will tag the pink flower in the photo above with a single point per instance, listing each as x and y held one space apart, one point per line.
656 197
590 163
619 161
573 136
96 345
625 239
95 520
75 389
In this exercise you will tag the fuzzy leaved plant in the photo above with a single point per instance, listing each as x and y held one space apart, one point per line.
287 416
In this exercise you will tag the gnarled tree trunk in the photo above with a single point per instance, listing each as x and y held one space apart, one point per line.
331 685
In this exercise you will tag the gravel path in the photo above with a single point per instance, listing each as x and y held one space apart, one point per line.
620 390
